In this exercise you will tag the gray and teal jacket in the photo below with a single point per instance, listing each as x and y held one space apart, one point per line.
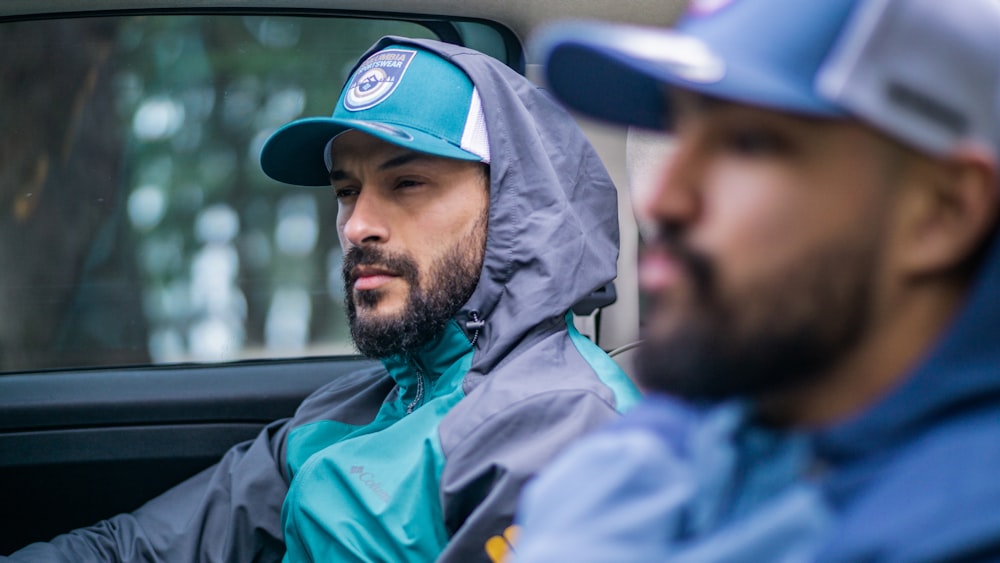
423 458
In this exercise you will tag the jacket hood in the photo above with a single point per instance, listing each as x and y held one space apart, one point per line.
552 236
960 374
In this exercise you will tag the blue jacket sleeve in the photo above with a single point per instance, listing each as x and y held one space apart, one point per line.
606 499
228 512
666 486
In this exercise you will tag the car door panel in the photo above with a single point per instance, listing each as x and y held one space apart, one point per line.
76 447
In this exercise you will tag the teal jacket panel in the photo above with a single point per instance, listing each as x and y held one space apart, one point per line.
370 492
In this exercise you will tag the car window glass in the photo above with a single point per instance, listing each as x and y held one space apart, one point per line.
137 227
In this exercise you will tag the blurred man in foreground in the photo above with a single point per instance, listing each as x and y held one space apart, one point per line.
824 288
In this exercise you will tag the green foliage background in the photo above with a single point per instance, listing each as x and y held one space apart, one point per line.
128 164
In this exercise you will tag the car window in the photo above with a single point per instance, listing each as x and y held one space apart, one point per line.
137 227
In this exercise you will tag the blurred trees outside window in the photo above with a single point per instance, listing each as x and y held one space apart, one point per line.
137 227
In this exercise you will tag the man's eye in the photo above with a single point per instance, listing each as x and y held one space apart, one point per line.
408 183
343 193
755 142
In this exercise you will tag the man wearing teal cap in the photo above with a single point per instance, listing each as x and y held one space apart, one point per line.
822 270
474 215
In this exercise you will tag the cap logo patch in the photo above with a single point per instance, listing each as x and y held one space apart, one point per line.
377 78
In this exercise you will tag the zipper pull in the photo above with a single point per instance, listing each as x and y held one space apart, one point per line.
474 325
420 392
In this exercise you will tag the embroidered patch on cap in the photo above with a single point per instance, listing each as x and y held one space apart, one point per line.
377 78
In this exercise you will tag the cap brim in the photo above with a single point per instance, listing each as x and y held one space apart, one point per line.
294 153
585 67
621 73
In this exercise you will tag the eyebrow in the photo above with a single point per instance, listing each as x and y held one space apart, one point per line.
403 160
394 162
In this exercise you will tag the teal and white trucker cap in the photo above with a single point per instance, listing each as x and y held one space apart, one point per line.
401 94
926 72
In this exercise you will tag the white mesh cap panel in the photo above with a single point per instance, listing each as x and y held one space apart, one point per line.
474 137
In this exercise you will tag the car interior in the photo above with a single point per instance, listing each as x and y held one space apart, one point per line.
161 298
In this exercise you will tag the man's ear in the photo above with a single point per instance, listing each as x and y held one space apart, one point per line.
952 211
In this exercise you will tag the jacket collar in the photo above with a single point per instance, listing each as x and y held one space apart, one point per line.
433 359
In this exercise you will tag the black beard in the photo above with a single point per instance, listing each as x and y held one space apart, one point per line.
427 310
782 333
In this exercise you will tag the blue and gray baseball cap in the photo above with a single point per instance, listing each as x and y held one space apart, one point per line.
924 71
401 94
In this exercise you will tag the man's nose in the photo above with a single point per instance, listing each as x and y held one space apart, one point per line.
366 222
675 195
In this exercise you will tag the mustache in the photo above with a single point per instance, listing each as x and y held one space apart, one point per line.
669 238
401 265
